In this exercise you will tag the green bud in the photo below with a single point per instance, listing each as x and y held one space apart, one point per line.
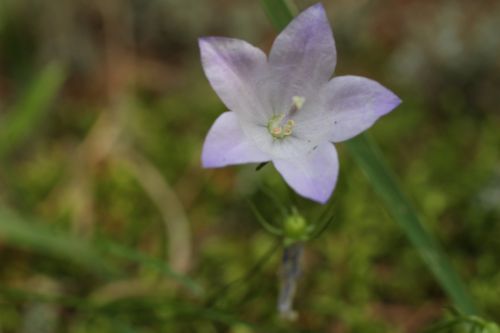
295 227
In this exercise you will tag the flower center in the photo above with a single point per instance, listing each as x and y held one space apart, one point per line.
280 126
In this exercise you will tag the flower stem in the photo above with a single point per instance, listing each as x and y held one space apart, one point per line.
289 276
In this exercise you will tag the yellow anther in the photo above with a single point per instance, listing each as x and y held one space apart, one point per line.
278 129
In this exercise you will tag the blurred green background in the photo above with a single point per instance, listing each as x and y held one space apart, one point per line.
109 224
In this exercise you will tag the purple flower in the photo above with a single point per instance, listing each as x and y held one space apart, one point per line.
285 108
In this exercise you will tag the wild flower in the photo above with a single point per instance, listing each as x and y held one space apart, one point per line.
286 108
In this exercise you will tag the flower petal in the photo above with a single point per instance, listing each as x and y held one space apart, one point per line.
234 69
313 176
226 144
355 104
302 58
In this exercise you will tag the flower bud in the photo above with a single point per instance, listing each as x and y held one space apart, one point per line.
295 227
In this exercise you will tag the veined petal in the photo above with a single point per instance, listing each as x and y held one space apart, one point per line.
314 176
234 68
226 144
302 58
355 104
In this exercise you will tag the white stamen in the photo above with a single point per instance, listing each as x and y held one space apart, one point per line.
298 101
277 126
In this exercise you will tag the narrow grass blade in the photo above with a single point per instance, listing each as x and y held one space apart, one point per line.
39 239
279 12
371 161
31 108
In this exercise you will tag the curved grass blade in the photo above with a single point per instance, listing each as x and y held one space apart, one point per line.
266 225
38 238
371 161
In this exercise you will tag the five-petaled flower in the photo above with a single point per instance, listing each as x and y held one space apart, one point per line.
286 108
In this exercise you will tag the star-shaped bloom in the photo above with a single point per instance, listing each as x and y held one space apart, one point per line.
286 108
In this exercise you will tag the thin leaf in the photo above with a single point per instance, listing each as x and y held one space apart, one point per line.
26 115
324 220
369 158
321 227
39 239
279 11
268 226
247 276
283 210
446 325
371 161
